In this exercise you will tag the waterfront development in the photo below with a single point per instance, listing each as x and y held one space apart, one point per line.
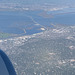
39 39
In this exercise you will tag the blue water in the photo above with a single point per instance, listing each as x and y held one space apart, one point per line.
67 19
8 23
15 22
64 16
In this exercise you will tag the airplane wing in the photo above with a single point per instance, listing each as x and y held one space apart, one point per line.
6 67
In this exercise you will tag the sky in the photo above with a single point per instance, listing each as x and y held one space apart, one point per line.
38 1
41 2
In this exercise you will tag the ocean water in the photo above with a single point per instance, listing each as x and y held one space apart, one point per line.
30 22
17 23
64 19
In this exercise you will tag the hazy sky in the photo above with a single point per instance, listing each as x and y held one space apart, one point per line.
40 1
